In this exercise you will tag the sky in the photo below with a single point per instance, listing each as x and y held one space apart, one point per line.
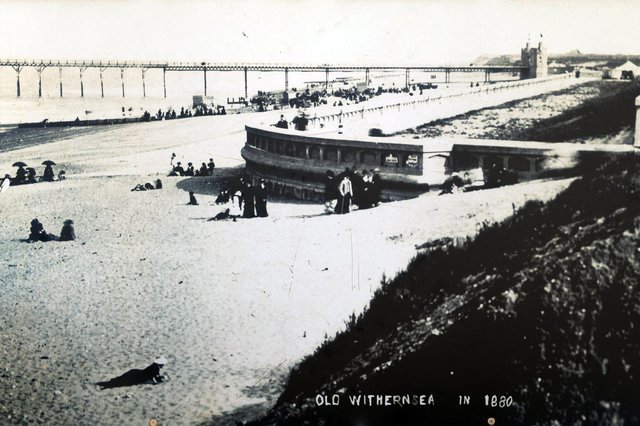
398 32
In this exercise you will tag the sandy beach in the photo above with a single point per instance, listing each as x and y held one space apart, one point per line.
232 305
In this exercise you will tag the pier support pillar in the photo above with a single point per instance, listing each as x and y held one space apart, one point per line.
60 77
246 91
102 82
487 76
326 78
39 71
144 89
82 70
17 69
366 77
407 78
447 75
122 80
164 81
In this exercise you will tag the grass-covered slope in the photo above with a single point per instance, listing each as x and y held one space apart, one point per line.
544 308
596 108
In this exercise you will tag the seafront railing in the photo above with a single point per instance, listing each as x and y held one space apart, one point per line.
355 112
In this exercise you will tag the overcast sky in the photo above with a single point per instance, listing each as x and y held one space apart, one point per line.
428 32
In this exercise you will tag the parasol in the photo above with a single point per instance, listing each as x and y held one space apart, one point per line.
48 163
19 164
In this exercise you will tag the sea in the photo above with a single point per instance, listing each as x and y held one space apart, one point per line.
181 86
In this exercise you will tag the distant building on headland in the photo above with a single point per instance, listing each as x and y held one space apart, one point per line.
535 58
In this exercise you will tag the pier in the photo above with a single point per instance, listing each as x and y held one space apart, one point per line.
82 65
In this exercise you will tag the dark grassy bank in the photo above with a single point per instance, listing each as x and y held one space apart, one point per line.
608 108
543 308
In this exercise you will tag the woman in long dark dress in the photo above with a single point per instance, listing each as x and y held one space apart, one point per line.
248 201
261 194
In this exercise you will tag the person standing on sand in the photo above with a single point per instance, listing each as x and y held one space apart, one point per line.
211 166
261 194
248 200
192 199
346 193
331 193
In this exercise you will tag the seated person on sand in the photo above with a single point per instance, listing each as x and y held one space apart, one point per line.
150 375
178 170
452 184
140 187
48 174
61 175
223 197
222 215
37 232
21 175
5 183
31 175
158 184
67 233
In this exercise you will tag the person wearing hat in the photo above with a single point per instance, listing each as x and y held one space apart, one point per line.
283 123
211 166
67 233
300 121
150 375
190 170
376 186
178 170
261 193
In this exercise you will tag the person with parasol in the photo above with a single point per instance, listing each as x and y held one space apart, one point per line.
21 173
48 174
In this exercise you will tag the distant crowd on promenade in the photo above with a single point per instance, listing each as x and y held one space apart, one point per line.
188 112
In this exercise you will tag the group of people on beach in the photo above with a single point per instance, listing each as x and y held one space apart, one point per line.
37 232
351 188
25 175
148 186
206 169
243 200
